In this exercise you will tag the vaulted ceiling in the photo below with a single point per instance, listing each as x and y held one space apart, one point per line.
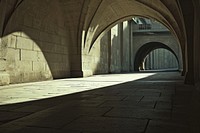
88 19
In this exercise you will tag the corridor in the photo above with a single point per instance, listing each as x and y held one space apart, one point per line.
148 102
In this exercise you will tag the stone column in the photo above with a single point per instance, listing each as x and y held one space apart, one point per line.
109 51
130 47
190 49
197 41
121 44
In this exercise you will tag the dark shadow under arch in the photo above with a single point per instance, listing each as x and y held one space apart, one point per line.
146 49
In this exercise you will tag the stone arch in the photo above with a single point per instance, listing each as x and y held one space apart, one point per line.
120 20
107 15
146 49
35 41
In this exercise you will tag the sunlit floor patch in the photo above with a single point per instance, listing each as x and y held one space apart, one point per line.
40 90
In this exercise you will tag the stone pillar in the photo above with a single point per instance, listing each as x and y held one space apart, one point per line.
189 78
197 42
126 47
132 57
121 44
109 51
189 22
130 47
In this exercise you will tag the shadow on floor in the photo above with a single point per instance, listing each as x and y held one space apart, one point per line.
159 103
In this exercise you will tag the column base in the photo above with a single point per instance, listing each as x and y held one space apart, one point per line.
87 73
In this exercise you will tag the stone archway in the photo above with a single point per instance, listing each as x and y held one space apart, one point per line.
146 49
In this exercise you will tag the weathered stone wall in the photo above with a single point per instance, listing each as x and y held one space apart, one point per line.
116 48
95 61
60 24
168 40
126 46
123 51
161 59
110 53
37 43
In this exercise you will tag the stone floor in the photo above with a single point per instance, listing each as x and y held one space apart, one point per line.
117 103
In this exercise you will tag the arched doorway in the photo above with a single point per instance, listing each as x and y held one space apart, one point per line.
144 51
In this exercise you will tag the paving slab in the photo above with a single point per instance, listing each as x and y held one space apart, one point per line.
166 127
108 125
133 103
140 113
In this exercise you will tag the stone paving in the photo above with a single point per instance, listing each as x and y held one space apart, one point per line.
116 103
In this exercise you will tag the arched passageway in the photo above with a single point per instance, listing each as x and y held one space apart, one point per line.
46 39
70 28
145 50
161 60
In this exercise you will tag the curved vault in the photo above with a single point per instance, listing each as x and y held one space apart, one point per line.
107 13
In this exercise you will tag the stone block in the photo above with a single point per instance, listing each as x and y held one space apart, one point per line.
47 68
36 47
41 57
4 78
38 66
24 43
13 54
12 41
33 76
27 55
24 66
15 76
17 33
2 64
87 73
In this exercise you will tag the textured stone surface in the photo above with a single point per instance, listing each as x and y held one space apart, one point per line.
67 30
102 104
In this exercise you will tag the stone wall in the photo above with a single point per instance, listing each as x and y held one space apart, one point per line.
95 61
115 51
110 53
116 48
166 39
126 46
161 59
37 44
